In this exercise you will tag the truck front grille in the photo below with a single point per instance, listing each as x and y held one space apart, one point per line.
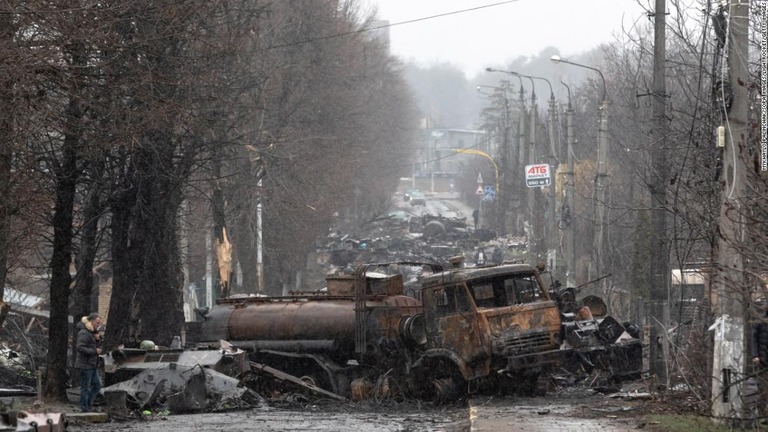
527 343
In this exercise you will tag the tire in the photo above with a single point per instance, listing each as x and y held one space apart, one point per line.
439 382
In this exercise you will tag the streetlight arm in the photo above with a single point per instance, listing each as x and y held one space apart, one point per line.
530 77
557 59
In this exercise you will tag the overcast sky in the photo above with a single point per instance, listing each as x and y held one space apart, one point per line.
475 39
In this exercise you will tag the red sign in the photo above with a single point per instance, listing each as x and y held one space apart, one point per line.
537 175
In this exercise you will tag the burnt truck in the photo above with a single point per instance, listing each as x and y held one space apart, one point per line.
468 329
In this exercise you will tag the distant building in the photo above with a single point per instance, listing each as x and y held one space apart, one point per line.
436 155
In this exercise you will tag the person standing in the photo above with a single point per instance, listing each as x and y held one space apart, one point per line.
87 360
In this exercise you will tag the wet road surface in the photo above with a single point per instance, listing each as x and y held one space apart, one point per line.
567 411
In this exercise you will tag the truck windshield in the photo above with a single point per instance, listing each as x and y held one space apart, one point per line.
507 290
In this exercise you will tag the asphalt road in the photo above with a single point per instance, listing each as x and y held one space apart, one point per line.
570 411
446 204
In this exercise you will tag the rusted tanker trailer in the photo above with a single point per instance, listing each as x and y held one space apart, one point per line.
358 326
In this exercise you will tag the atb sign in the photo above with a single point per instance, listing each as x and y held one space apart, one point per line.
537 175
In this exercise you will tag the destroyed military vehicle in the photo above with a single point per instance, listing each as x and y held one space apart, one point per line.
480 329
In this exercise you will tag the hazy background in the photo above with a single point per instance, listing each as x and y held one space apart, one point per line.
501 31
447 44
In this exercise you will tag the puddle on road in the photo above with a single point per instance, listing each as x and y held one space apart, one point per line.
534 415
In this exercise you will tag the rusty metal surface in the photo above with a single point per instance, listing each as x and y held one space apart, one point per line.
460 334
305 320
506 321
390 313
299 324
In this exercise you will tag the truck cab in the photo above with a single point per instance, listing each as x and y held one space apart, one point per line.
487 326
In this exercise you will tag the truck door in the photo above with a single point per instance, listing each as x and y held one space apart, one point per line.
452 322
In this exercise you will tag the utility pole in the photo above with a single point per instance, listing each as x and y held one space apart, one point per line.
600 177
520 180
503 193
570 275
600 187
552 237
658 310
532 217
729 360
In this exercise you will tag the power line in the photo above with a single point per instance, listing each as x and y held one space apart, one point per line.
368 29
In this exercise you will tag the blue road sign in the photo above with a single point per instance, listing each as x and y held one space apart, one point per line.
490 194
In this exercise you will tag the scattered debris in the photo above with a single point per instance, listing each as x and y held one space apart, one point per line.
180 388
283 377
24 421
632 395
432 329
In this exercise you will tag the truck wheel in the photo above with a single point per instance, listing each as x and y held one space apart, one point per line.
445 390
434 228
439 383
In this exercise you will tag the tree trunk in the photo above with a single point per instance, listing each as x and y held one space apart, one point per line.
58 328
6 145
125 268
159 300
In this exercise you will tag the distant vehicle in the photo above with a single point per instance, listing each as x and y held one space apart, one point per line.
418 198
398 216
407 194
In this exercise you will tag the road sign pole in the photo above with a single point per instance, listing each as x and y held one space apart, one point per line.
479 193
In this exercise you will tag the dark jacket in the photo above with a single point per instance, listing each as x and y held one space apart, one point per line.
86 358
759 341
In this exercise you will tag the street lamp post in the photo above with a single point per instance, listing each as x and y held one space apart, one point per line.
551 237
600 178
567 216
552 144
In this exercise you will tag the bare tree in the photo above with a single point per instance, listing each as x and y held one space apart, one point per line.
7 32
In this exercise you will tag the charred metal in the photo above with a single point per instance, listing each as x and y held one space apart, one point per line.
461 331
